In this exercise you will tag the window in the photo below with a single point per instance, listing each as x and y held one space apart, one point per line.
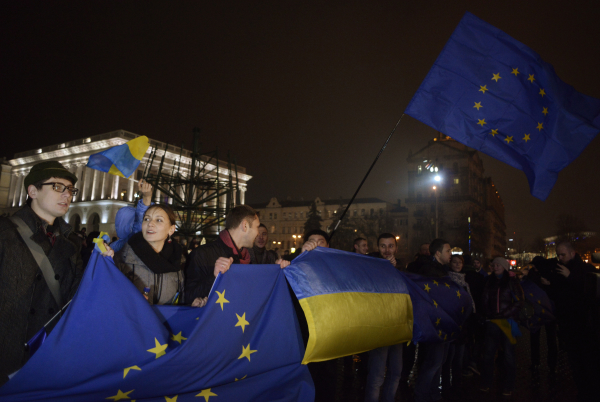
456 181
301 214
270 215
354 212
319 212
372 212
295 215
284 215
275 215
362 212
273 229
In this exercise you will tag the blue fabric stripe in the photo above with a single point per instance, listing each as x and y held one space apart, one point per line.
120 156
325 271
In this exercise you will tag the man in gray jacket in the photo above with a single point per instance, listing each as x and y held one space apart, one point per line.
26 301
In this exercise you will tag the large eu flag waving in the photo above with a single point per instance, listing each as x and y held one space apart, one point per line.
492 93
111 345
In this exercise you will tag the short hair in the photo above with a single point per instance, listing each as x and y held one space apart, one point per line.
38 185
316 232
437 245
460 257
238 214
567 245
262 225
358 240
166 209
386 236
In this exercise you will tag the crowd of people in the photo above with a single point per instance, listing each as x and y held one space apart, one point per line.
33 290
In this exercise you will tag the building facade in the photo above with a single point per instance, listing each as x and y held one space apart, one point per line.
449 197
367 217
101 195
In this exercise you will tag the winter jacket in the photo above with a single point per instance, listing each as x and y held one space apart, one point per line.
266 257
428 266
163 287
502 297
199 272
26 303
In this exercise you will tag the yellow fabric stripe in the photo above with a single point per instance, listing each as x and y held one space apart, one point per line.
113 170
341 324
504 325
138 147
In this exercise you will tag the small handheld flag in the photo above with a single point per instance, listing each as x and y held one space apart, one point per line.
121 160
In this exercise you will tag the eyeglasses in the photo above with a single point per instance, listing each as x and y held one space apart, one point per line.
60 188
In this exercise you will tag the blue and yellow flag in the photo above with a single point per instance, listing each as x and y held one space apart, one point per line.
352 302
492 93
121 160
543 309
111 345
440 308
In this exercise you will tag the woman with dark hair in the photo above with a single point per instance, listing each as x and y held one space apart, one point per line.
150 259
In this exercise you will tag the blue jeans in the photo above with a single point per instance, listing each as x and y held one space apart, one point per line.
495 338
431 357
392 355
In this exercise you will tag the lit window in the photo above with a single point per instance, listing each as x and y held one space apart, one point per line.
455 181
419 169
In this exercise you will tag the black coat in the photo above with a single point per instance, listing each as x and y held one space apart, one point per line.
427 266
26 303
199 272
502 298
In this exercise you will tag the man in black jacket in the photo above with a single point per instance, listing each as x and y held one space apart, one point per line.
26 301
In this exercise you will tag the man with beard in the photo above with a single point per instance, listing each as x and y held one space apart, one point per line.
258 253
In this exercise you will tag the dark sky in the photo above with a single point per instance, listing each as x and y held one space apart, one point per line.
303 93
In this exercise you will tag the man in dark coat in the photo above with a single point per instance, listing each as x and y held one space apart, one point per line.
26 302
258 252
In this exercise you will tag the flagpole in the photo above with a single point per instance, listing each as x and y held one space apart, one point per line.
365 178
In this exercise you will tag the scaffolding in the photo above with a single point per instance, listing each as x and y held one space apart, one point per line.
199 187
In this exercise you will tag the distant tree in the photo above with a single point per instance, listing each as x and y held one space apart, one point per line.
313 220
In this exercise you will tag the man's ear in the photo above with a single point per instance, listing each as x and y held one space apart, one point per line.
32 191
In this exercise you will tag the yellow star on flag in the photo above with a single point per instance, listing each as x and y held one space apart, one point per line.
539 302
542 92
126 371
531 78
477 105
206 394
221 300
494 132
496 77
445 336
178 337
481 122
436 284
531 294
515 71
159 349
447 284
483 88
174 399
526 138
440 335
435 303
509 139
462 311
121 395
458 293
438 321
540 126
242 377
427 288
242 321
246 352
545 111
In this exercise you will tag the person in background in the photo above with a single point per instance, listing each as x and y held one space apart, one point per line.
150 258
360 246
258 253
387 245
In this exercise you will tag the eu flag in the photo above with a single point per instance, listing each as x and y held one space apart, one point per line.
440 307
543 309
492 93
244 345
121 160
352 302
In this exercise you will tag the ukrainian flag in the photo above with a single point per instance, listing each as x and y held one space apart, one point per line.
121 160
353 303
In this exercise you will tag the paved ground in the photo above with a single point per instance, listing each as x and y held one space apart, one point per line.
530 386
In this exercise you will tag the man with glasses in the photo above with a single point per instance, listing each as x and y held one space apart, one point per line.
29 295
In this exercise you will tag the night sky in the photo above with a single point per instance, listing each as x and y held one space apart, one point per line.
303 93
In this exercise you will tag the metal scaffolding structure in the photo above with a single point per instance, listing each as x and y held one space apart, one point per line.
201 192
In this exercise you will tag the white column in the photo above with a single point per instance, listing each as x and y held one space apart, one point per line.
130 190
242 196
103 188
23 192
93 189
12 190
234 203
79 184
115 188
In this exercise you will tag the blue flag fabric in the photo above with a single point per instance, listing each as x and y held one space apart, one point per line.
543 309
121 160
352 302
494 94
440 308
244 345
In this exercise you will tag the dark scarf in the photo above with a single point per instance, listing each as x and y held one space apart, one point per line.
168 260
244 254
